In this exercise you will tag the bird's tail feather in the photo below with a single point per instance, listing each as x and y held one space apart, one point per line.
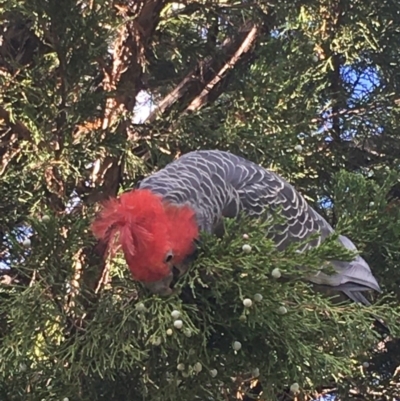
355 295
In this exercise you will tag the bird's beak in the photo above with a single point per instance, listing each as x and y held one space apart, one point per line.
179 271
165 286
161 287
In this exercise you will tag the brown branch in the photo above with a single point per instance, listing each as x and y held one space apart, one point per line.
348 112
123 81
123 78
20 44
245 47
332 20
10 134
174 95
15 126
77 265
336 86
201 80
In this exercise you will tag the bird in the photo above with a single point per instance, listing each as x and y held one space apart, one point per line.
158 223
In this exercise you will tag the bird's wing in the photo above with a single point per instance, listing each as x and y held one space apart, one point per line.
259 189
227 184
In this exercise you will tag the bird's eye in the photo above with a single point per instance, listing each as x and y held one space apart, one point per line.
169 257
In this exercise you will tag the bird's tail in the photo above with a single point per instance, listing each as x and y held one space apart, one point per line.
354 292
353 278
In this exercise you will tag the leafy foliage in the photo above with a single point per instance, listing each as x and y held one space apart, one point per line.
258 80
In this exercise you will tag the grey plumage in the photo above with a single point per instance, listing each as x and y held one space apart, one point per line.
218 184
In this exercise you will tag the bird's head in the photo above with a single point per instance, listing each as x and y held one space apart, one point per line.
154 235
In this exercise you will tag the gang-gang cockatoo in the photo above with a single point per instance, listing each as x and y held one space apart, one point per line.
157 223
